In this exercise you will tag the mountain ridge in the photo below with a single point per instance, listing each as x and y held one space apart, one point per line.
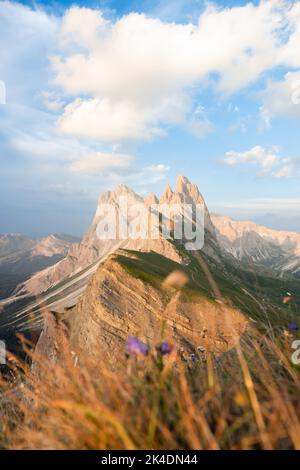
21 257
60 287
277 250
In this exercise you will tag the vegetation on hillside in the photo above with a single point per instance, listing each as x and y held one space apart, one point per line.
247 398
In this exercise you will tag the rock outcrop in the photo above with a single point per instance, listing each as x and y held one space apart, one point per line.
118 303
92 250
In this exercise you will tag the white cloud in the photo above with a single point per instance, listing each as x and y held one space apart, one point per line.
107 121
98 162
39 145
81 25
265 158
51 100
69 157
286 170
156 173
281 98
137 75
27 37
160 168
198 123
134 77
118 168
268 160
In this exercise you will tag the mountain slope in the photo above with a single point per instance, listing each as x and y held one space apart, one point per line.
256 246
21 257
83 258
13 242
135 293
129 295
60 287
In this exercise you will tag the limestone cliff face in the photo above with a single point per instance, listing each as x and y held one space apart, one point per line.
93 250
62 285
117 304
188 193
126 294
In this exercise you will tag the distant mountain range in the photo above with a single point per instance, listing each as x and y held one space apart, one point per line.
108 289
21 257
255 246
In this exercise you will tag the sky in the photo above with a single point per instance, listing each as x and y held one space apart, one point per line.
97 93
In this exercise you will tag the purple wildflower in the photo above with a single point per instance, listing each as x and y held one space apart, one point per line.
293 326
164 348
135 346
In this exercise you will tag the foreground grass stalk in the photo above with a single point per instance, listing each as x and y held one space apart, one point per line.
253 399
247 398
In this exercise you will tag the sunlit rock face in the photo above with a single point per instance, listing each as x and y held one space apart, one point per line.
120 302
86 255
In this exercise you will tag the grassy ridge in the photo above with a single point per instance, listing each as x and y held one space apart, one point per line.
258 296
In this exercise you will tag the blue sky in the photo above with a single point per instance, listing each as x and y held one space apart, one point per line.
106 92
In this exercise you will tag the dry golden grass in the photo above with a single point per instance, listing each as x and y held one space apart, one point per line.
246 399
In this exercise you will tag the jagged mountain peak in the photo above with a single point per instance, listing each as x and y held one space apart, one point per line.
84 257
51 245
120 190
167 194
185 192
151 199
182 183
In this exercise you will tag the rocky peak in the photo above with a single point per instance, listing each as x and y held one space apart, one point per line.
51 246
185 192
121 190
181 184
167 195
151 199
189 191
93 250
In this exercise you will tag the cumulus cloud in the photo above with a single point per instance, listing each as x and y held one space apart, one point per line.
51 100
81 26
102 119
268 160
69 156
98 162
281 98
116 167
27 37
156 173
134 77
